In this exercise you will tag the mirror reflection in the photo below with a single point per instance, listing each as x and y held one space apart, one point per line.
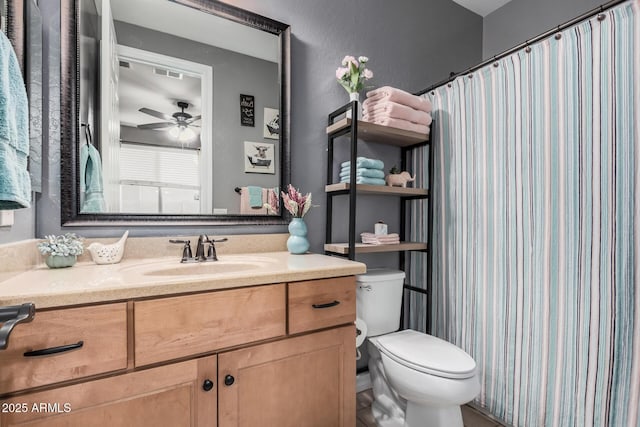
179 111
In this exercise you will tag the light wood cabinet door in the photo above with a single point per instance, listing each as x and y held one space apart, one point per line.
306 381
172 395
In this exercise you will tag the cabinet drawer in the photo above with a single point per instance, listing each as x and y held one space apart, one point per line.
322 303
101 329
171 328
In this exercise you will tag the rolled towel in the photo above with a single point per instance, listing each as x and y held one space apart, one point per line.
363 162
388 93
380 110
403 124
362 173
365 180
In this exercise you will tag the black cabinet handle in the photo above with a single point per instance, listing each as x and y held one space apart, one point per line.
229 380
207 385
327 305
54 350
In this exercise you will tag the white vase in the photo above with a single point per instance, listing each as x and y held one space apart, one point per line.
355 96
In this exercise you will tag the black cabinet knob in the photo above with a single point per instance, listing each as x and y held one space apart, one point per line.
228 380
207 385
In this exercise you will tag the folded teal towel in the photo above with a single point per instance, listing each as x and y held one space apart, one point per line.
91 179
363 172
255 196
15 184
363 162
365 180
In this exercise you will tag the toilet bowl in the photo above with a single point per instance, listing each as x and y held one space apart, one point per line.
418 380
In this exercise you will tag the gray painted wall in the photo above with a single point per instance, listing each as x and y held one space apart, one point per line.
411 44
521 20
233 74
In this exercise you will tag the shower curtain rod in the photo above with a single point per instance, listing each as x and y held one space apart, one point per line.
514 49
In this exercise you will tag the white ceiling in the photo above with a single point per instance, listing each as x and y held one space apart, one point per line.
482 7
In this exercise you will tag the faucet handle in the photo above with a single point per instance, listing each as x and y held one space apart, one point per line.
186 250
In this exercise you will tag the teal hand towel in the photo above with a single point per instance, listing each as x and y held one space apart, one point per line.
363 172
363 162
364 180
91 179
15 184
255 196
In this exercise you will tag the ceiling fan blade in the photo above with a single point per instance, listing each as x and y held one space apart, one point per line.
155 113
160 125
194 118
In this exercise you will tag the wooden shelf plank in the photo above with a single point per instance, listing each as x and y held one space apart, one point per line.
381 134
378 189
362 248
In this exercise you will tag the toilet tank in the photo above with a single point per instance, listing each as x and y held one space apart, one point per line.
378 300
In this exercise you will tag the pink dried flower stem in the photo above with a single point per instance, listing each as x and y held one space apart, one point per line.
296 203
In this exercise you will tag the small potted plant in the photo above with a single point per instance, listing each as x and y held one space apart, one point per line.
62 250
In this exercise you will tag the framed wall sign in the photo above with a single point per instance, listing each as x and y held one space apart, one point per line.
247 110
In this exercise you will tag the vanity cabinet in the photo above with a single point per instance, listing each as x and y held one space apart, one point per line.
170 328
172 395
308 380
213 358
66 344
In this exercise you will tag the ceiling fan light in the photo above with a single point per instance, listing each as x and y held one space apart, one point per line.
174 132
186 135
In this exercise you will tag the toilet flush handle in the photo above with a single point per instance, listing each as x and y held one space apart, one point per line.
365 287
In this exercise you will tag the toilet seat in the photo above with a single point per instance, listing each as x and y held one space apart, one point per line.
427 354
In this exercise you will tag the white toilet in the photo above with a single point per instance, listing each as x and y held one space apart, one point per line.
418 380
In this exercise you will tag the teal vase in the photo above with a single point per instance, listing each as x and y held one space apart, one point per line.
297 242
59 261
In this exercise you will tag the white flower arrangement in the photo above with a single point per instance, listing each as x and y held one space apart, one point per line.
353 73
65 245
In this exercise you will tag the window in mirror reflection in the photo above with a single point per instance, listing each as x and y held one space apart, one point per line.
159 94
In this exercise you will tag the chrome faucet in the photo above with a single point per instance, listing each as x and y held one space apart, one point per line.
210 250
200 249
203 252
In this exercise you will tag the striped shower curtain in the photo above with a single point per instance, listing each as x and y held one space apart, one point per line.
536 238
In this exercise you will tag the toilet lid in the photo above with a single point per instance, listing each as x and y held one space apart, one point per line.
428 354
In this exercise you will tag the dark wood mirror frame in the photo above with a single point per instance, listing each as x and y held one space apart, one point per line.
70 130
15 30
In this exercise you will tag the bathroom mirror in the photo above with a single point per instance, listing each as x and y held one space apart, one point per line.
173 111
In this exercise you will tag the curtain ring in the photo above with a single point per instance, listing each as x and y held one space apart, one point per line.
433 93
558 36
527 49
496 64
602 17
470 75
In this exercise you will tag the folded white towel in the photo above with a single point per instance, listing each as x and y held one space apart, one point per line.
380 239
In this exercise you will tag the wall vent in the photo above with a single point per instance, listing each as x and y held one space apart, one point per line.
167 73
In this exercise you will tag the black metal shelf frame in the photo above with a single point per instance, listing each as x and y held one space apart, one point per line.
352 131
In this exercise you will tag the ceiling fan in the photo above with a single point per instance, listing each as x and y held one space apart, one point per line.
179 119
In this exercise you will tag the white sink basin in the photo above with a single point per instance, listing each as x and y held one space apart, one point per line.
225 264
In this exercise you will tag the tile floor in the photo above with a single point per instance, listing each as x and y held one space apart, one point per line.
471 417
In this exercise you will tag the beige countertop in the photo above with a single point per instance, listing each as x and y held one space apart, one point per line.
87 282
